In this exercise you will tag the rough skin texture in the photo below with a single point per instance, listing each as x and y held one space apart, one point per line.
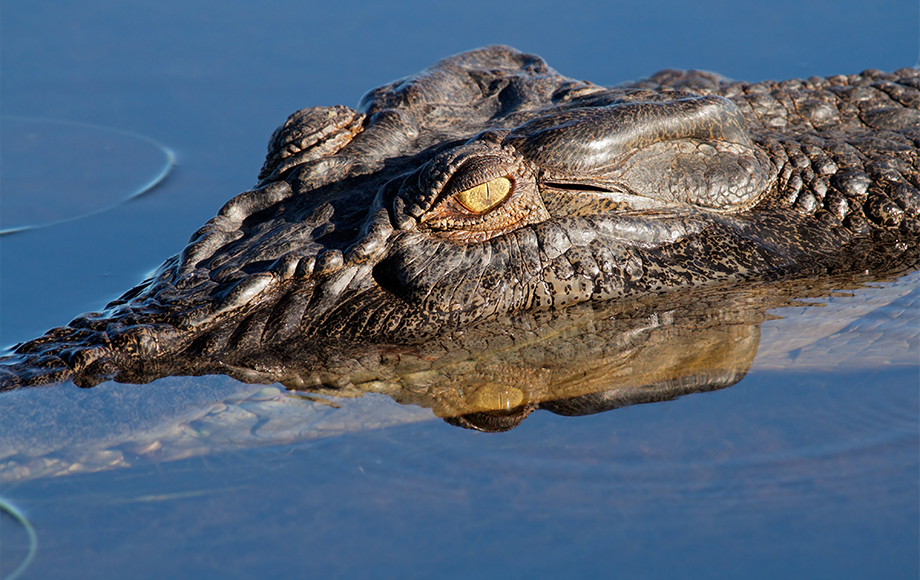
489 185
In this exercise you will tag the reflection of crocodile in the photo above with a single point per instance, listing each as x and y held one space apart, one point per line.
592 358
489 185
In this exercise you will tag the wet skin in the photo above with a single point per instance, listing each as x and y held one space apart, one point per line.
489 188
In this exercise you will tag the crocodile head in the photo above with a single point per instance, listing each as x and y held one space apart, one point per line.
487 186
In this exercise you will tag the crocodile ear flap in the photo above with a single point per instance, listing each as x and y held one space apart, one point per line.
307 136
710 174
695 151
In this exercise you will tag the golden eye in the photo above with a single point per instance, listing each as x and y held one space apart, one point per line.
485 196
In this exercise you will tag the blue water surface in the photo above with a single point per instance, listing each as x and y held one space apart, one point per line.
787 474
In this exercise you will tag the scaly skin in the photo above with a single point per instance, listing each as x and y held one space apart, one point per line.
370 227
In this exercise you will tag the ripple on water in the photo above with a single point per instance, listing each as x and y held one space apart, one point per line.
56 171
19 547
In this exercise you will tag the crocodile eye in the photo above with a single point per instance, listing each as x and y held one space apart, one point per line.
485 196
472 194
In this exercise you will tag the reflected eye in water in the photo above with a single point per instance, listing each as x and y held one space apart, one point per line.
485 196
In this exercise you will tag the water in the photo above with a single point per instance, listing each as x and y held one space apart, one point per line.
805 469
116 166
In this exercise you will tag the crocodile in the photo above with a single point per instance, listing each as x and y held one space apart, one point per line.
488 194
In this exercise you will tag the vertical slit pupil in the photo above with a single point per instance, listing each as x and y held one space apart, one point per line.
485 196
